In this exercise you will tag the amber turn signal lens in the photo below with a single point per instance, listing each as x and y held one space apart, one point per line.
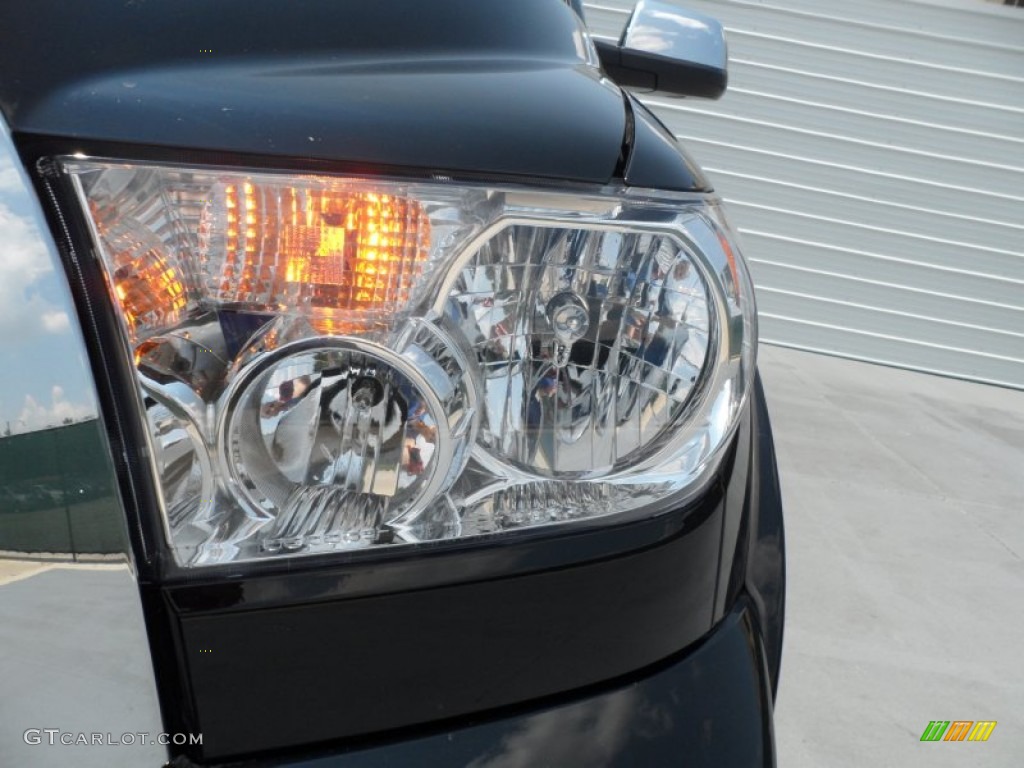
146 286
346 255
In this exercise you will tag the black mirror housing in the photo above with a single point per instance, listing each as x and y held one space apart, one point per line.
668 49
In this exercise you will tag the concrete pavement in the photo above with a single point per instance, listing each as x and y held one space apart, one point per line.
904 498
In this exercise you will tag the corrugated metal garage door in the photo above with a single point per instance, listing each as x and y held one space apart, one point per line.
872 153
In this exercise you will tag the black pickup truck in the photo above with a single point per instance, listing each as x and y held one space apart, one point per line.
380 390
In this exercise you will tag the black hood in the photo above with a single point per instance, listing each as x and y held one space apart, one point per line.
481 86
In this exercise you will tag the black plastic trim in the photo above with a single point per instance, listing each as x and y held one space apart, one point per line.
708 706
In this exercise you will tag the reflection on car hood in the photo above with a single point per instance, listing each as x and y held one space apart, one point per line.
459 85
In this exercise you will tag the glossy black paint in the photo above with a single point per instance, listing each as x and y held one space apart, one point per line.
492 87
469 87
753 541
764 578
707 708
656 159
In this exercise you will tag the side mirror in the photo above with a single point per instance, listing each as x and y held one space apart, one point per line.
669 49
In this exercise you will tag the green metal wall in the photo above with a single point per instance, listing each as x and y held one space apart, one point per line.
57 493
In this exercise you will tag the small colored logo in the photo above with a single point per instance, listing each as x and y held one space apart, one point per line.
958 730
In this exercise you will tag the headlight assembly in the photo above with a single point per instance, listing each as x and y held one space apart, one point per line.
331 364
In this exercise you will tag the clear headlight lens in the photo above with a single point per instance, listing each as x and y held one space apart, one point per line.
328 364
588 356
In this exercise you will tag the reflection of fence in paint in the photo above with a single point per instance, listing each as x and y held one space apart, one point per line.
57 492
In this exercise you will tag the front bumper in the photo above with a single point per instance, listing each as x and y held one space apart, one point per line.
710 706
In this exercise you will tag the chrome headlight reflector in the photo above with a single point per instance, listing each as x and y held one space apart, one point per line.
329 364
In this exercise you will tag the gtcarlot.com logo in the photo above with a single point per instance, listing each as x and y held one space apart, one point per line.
55 736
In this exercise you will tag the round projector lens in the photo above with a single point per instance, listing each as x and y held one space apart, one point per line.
331 441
